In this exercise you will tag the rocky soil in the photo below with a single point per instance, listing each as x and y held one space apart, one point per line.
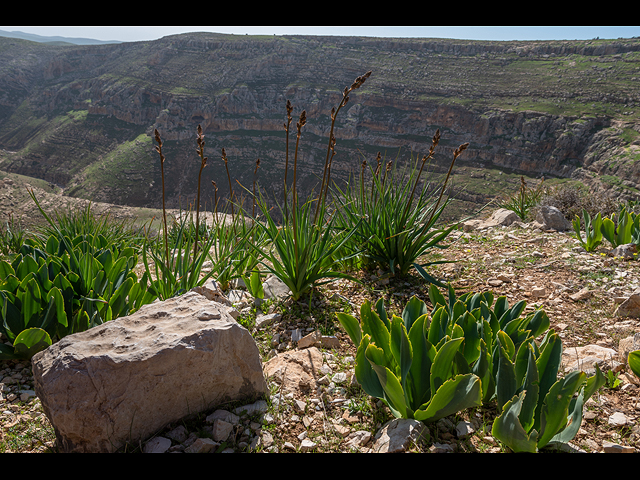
579 291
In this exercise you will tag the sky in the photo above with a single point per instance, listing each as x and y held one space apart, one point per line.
139 33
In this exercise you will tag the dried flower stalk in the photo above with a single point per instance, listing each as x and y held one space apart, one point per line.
357 83
164 212
203 163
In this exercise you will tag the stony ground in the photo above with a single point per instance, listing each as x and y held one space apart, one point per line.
544 268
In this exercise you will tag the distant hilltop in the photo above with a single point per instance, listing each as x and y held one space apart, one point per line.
56 39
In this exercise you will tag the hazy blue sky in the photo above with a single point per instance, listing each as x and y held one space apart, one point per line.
133 33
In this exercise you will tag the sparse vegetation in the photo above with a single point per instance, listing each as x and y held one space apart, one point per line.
472 344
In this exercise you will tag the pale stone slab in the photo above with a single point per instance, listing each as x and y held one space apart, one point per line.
126 379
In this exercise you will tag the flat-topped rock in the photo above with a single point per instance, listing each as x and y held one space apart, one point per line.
126 379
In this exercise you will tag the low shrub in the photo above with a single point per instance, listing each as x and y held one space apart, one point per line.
394 221
524 201
574 198
469 351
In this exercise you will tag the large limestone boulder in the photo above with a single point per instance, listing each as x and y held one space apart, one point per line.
128 378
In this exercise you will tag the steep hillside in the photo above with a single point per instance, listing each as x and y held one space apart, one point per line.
83 117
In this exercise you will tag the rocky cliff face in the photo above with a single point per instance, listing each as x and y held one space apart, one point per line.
71 114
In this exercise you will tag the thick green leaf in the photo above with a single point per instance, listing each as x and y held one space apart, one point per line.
12 322
31 303
470 326
529 385
442 368
31 341
548 363
56 295
634 362
555 409
483 369
437 327
382 313
436 297
575 408
365 375
538 323
412 310
454 395
508 430
394 394
423 356
608 230
506 384
256 284
351 326
401 348
501 307
119 300
26 266
6 269
373 325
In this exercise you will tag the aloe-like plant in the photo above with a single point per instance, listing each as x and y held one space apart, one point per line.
537 409
593 231
181 271
396 219
482 323
300 253
623 229
64 287
543 410
304 251
178 270
12 236
396 362
522 202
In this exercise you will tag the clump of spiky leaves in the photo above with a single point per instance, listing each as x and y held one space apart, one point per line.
304 247
524 200
396 217
12 236
178 271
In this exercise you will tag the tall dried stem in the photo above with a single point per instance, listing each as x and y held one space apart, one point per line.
456 154
215 200
255 176
364 166
375 174
286 165
357 83
294 213
301 123
164 212
226 164
432 149
203 163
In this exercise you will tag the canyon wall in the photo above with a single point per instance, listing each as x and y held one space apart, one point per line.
71 115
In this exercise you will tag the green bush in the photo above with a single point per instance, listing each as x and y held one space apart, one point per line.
304 251
572 198
396 363
593 231
394 221
484 353
537 409
12 236
66 286
622 228
522 202
67 279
